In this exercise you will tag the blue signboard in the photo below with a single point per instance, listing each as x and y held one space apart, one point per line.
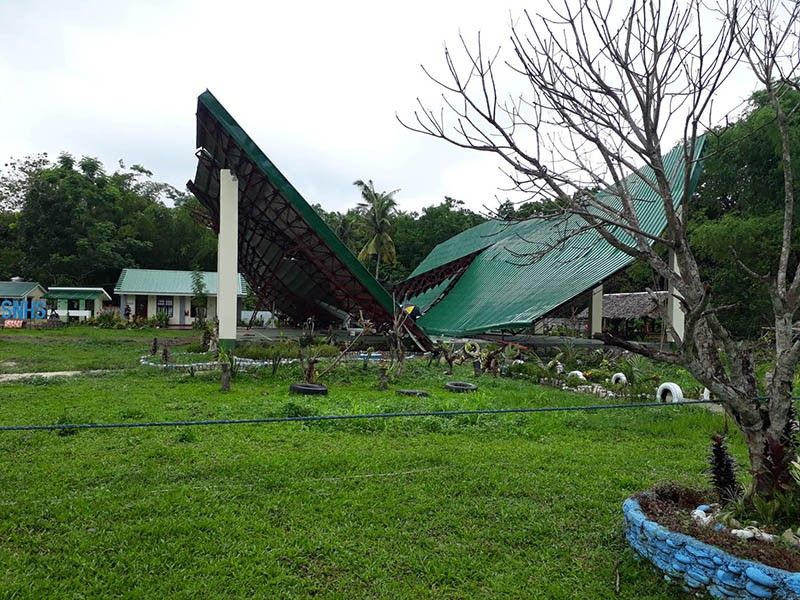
19 309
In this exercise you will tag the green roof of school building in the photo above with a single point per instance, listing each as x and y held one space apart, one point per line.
167 283
19 289
76 293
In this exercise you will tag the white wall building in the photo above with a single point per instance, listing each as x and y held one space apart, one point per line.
151 291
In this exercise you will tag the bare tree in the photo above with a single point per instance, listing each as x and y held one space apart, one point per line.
605 91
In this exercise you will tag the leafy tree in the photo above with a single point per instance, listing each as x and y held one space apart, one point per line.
10 252
416 235
16 178
70 222
377 209
349 227
199 294
738 211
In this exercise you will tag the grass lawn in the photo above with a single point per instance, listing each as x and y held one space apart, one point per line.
464 507
78 347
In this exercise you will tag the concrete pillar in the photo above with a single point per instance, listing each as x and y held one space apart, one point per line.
182 311
596 311
228 257
675 315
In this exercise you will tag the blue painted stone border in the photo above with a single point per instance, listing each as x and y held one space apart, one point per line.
702 567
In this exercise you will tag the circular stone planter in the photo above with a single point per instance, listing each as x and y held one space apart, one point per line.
701 567
460 386
308 389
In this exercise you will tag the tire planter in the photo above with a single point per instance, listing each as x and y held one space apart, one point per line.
472 349
669 392
577 374
460 387
619 379
308 389
417 393
701 567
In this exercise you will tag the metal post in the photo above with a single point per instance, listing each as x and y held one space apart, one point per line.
228 257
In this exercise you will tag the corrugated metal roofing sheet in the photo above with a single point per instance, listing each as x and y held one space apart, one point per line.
156 281
502 289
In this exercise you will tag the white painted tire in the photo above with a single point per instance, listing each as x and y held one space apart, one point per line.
669 392
577 374
472 349
619 379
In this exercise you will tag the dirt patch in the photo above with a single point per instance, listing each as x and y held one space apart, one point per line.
671 506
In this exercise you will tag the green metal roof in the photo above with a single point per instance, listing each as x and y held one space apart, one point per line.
503 290
176 283
18 289
76 293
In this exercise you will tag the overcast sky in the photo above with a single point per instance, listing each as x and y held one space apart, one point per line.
315 84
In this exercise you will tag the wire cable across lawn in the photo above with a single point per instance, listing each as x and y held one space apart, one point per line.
312 418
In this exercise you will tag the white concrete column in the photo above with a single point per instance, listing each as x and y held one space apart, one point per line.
674 310
596 311
228 256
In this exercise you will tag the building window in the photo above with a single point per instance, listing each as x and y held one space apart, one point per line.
73 304
164 305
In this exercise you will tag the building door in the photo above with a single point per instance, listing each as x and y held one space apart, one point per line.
141 307
89 305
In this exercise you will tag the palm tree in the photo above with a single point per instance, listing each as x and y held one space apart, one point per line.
377 209
346 227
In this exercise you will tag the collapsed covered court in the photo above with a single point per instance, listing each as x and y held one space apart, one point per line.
497 277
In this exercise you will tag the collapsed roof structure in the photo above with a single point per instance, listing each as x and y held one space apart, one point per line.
497 276
503 276
289 256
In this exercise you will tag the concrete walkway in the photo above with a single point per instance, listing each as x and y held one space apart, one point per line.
13 377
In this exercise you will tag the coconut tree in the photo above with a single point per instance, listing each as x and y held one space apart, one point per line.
347 227
377 208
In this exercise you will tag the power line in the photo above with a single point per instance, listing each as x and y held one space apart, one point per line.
317 418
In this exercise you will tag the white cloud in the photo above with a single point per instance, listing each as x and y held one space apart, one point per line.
317 85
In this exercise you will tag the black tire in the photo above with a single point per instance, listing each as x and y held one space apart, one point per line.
418 393
308 389
460 387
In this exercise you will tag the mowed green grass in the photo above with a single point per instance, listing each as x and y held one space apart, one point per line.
465 507
79 348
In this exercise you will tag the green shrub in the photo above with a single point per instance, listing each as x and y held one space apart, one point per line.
574 381
324 351
194 348
527 370
293 409
598 375
66 420
107 320
274 352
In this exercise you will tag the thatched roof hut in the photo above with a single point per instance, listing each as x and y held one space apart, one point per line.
632 305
